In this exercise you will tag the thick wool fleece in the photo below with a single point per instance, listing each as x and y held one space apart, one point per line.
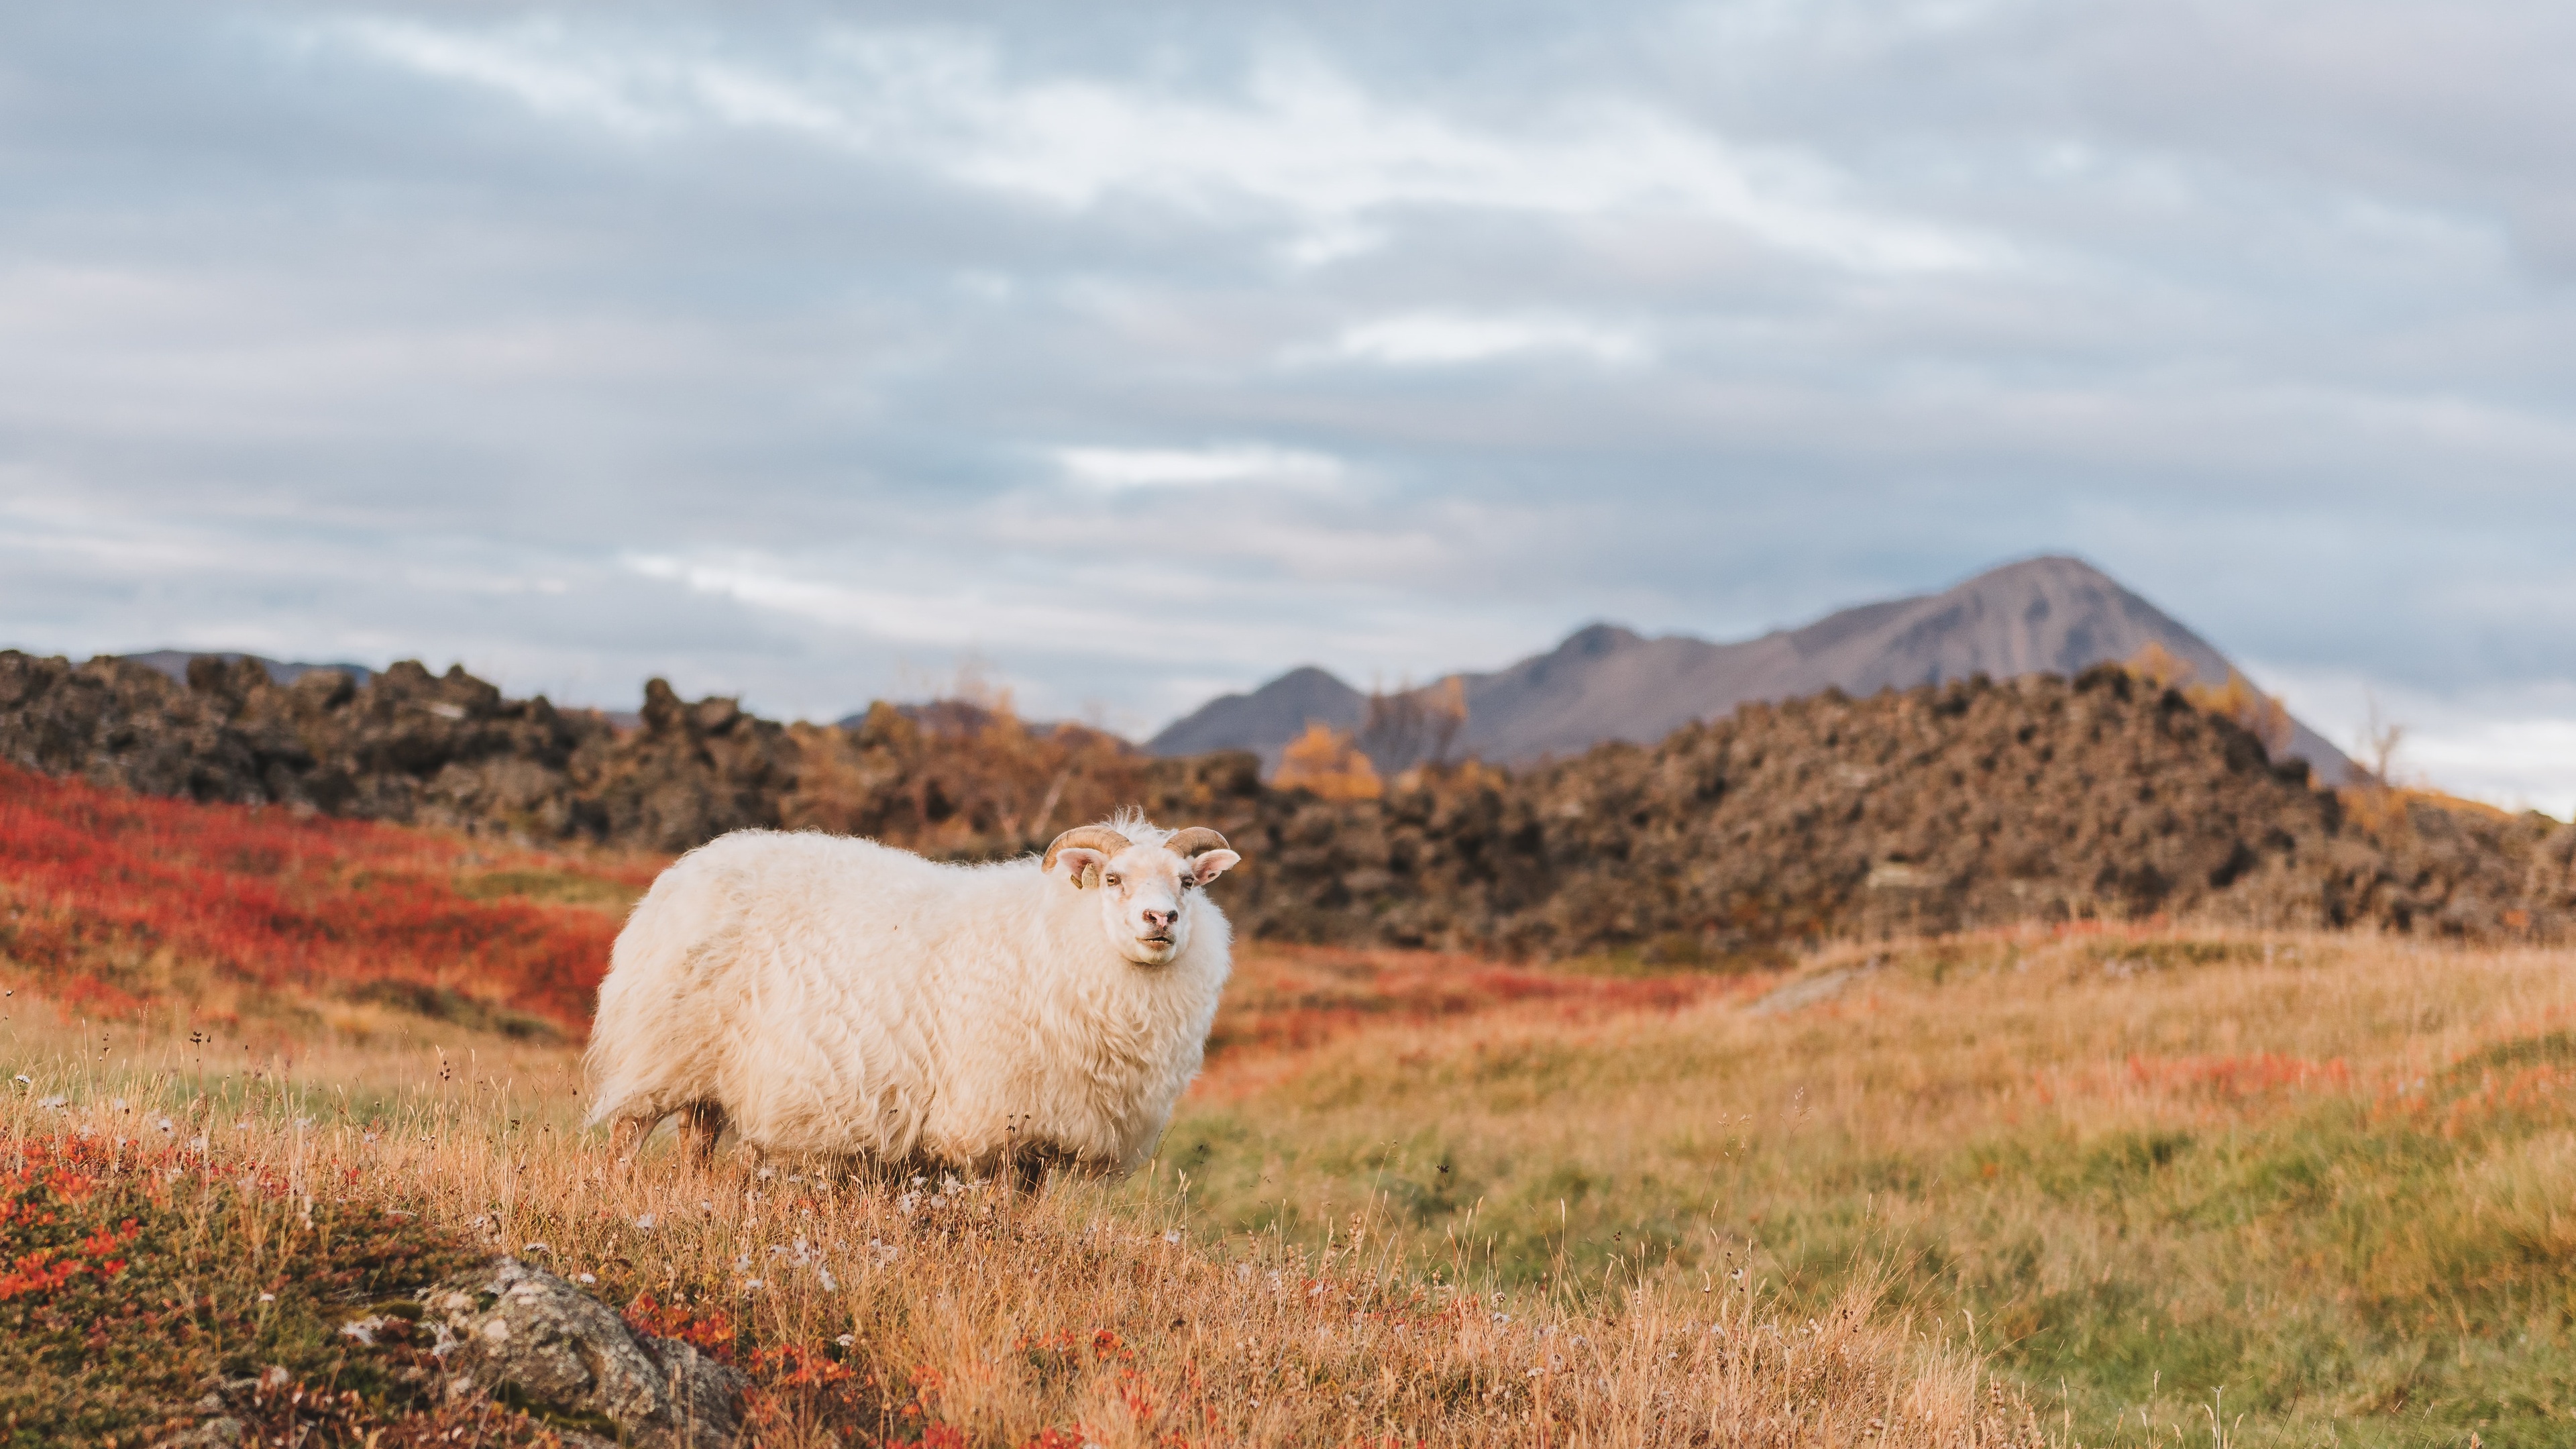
840 996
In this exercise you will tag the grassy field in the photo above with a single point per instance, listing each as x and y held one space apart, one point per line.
2308 1190
183 1211
2162 1186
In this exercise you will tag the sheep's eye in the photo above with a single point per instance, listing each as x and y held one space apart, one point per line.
1113 880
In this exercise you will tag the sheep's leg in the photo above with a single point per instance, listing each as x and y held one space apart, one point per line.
1031 1166
701 1123
626 1138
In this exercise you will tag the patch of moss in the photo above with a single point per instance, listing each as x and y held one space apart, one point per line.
2131 957
438 1003
1677 952
2550 1049
552 887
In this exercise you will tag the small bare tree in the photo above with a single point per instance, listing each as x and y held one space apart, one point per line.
1413 726
2380 737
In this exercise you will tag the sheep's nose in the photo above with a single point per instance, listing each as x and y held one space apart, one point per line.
1158 920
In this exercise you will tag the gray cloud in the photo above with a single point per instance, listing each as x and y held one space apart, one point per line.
800 351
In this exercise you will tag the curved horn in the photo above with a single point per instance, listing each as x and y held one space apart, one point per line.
1186 843
1086 837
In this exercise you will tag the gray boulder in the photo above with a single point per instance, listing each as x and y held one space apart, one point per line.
535 1341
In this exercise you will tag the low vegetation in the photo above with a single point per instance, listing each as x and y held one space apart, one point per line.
117 902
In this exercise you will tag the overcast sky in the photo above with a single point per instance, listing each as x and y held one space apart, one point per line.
1144 352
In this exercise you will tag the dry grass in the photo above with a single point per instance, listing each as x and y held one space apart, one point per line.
950 1313
2325 1177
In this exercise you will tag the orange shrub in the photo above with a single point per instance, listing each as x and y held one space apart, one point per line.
1325 762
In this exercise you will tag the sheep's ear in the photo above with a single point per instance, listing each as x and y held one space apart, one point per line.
1080 866
1208 865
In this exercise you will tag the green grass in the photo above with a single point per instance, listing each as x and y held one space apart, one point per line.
552 887
2380 1251
1669 954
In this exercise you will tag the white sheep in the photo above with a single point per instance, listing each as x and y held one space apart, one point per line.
821 994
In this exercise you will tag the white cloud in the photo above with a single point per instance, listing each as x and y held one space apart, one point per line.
1438 338
1185 617
2514 747
1250 463
963 611
2512 762
522 68
1301 138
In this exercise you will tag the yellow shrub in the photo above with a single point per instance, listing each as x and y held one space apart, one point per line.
2262 715
1326 761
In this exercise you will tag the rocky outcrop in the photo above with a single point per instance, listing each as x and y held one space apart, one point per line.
693 772
1930 809
407 746
536 1342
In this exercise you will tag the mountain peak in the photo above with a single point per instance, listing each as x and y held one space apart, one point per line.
2044 565
1593 641
174 663
2050 614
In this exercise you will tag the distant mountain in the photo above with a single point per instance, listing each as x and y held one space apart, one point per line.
174 662
1266 719
2039 616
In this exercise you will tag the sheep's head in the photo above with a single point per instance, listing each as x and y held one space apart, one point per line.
1147 892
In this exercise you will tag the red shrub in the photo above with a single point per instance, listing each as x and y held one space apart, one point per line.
710 1332
98 882
50 1179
